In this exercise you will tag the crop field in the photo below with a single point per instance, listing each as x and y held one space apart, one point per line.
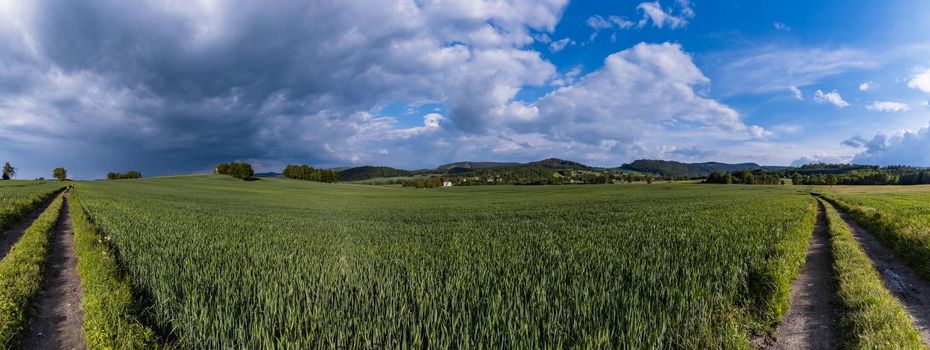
898 215
18 198
280 263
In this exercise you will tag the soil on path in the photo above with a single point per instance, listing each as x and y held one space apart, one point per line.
810 320
9 237
58 317
903 281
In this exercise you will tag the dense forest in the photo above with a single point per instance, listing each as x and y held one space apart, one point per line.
132 174
828 174
306 172
371 172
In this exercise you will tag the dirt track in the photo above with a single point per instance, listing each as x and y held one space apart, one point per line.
810 320
57 320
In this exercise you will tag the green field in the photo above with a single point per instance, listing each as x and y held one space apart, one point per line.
283 263
18 198
898 215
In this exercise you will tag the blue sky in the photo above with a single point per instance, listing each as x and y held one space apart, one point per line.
170 86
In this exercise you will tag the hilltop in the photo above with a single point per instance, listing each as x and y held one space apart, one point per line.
658 168
678 169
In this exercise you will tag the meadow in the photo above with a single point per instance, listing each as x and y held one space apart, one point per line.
278 263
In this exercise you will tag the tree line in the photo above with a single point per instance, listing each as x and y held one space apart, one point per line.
880 177
132 174
828 175
239 170
745 177
306 172
9 172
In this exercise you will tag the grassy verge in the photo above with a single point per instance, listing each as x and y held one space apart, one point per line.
21 274
912 244
872 317
107 301
15 210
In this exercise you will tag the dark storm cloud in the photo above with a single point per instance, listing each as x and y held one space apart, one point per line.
243 79
170 86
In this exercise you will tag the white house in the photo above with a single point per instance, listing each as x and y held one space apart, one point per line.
447 184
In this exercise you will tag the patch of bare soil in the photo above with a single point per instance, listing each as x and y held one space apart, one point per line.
58 317
810 320
903 281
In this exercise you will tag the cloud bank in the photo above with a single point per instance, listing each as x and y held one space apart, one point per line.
905 147
169 86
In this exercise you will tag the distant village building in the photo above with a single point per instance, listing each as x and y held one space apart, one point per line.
447 184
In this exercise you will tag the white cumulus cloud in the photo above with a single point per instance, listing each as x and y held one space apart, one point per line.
920 81
653 12
905 147
797 92
832 97
819 157
558 45
866 86
649 87
888 106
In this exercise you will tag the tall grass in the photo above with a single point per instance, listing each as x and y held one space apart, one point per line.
110 309
21 274
872 317
291 264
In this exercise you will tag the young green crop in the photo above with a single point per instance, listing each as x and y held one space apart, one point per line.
21 274
900 219
19 198
292 264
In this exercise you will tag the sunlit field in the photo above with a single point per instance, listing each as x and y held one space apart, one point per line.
274 262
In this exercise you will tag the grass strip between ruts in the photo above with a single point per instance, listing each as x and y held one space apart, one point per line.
871 317
21 273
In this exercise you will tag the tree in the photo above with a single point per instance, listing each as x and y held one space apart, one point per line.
60 173
8 171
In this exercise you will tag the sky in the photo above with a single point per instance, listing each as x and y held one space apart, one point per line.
177 86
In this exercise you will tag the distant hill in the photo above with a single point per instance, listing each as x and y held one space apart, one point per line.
371 172
556 163
678 169
465 167
662 168
474 165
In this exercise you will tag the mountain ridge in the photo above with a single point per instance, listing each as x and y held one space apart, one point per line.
662 168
